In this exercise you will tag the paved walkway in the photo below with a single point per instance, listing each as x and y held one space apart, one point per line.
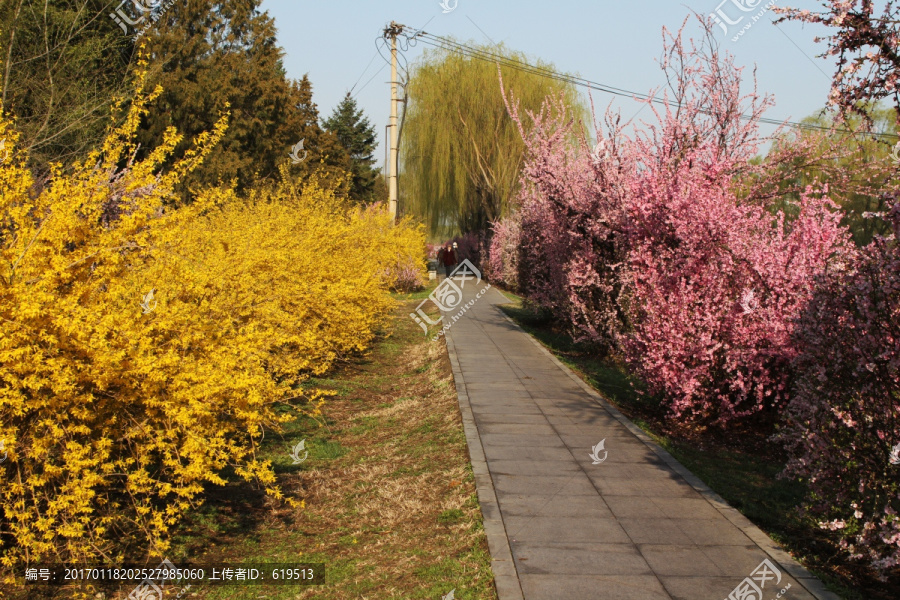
637 525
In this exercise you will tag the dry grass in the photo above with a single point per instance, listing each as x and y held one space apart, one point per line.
390 503
404 496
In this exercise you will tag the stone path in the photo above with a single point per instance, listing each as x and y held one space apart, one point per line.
637 525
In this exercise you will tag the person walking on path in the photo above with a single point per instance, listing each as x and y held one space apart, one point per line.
440 259
449 259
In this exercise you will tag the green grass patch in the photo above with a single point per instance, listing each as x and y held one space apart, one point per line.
449 517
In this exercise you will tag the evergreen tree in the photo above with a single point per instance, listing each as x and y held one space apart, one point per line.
357 136
209 56
215 56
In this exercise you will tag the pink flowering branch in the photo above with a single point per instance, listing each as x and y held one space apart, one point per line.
865 44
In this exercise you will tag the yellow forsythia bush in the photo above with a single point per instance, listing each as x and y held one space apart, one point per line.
142 347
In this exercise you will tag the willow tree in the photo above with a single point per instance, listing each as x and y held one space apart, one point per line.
461 152
860 170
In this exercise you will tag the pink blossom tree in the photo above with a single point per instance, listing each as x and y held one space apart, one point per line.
843 422
643 243
504 251
866 46
571 208
844 418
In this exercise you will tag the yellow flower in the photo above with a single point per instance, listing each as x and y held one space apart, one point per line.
114 417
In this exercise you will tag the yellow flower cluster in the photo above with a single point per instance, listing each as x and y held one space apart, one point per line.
143 347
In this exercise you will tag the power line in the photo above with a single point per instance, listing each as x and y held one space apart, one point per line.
439 42
374 56
377 73
479 54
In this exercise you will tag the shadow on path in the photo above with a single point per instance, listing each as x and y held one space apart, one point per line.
565 522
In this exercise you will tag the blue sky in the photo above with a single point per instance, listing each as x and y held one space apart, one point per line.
614 43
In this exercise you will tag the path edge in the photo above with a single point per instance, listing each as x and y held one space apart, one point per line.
506 577
785 561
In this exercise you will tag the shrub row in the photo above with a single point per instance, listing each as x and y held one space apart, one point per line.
663 247
144 347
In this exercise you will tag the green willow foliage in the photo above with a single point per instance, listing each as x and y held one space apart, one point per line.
859 169
460 151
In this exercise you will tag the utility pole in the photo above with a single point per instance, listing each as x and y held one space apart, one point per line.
393 31
387 154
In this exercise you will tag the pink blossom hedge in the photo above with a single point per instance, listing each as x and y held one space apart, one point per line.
844 417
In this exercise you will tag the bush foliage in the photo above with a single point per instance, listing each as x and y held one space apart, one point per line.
143 348
843 420
642 244
731 294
